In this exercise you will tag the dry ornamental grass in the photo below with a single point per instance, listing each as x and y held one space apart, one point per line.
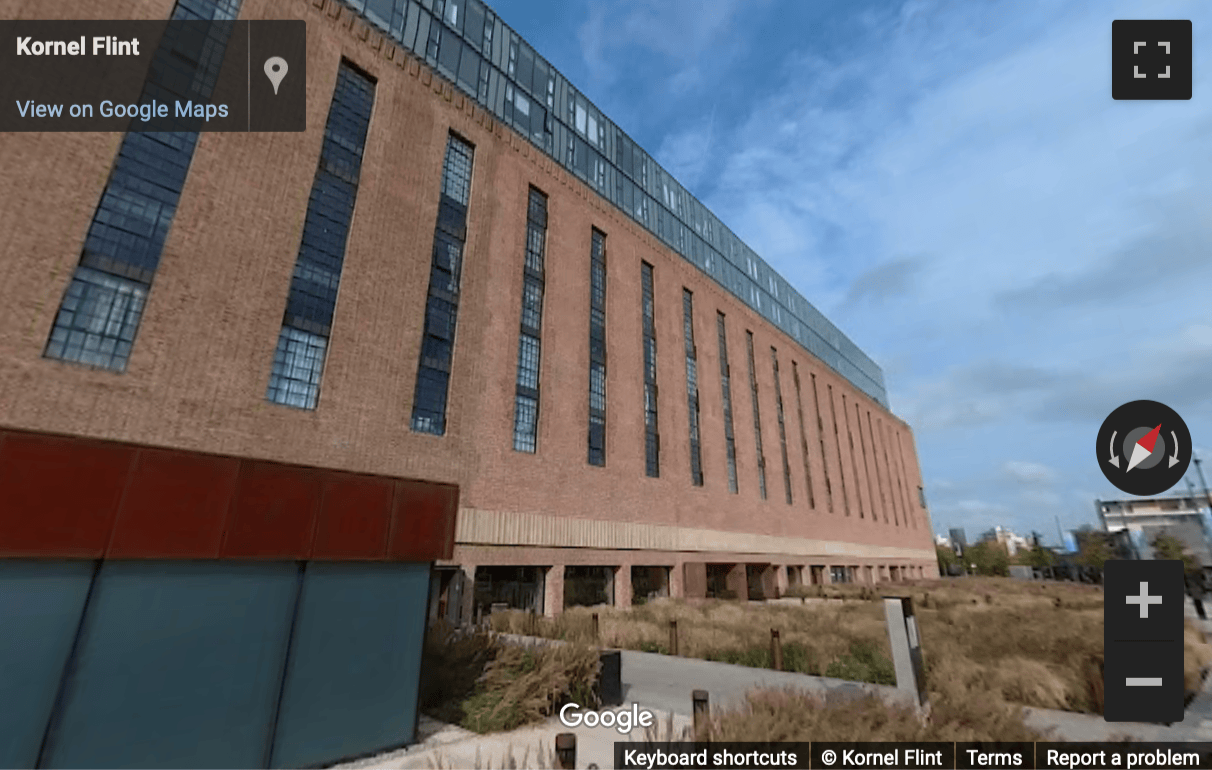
474 680
990 646
983 639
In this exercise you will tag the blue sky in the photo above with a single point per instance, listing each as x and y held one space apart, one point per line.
952 184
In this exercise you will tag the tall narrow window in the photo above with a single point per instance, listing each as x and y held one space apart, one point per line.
307 323
778 402
526 401
882 475
858 484
910 514
442 304
820 434
858 417
757 417
799 406
652 438
841 463
597 349
726 388
692 388
100 312
894 476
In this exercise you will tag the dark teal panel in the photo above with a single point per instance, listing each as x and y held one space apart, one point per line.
179 665
355 664
40 606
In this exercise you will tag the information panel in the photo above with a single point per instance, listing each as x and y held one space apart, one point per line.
153 75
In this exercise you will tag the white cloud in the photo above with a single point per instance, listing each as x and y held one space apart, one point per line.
1030 473
960 194
687 153
682 32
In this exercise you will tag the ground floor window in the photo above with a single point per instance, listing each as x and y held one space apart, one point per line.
648 583
841 574
509 588
717 582
588 586
760 580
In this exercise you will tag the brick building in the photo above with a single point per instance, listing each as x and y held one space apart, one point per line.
461 321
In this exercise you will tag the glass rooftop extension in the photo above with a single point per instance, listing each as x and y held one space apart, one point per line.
467 43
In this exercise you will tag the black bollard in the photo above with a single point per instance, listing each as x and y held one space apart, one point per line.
611 683
701 710
566 750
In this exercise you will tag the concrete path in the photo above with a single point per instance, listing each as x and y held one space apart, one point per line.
663 684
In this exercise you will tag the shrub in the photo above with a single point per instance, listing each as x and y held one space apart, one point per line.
797 657
525 685
454 661
474 680
864 663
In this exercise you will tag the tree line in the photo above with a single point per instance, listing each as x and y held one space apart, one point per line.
1095 548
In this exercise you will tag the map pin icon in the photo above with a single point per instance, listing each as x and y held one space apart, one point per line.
275 70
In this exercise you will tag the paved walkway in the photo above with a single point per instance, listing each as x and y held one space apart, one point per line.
663 684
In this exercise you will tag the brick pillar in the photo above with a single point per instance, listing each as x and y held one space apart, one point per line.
781 579
770 581
467 600
553 591
688 580
435 582
611 583
738 581
622 586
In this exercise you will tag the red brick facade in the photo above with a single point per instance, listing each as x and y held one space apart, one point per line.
197 376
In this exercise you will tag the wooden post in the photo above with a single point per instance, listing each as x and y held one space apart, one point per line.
776 650
566 750
673 637
596 635
701 711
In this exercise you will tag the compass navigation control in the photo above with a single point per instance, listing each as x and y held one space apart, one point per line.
1144 448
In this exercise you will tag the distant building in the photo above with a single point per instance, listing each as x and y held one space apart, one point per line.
1069 544
1180 516
1118 544
958 538
1012 542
